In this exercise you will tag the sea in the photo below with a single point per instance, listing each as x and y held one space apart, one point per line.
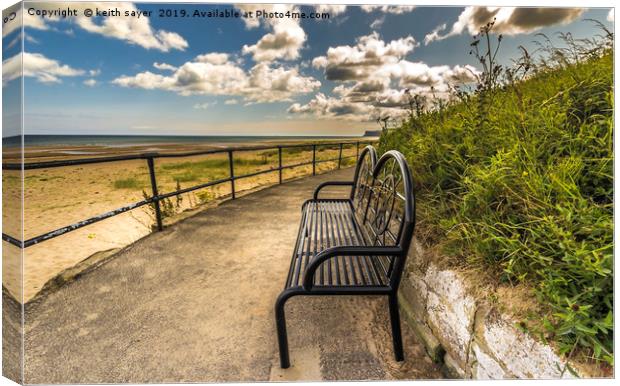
135 140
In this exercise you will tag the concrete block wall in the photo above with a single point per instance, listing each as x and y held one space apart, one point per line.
463 333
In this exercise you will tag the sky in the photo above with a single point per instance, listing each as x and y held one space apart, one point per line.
190 75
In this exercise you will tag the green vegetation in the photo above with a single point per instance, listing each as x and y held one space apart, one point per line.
515 177
127 183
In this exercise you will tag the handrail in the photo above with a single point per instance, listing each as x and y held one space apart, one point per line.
156 197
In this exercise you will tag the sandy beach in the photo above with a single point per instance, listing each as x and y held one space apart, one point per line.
57 197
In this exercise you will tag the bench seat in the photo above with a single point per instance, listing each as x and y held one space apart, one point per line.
355 245
331 223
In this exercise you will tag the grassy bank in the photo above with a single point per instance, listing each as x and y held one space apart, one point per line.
516 179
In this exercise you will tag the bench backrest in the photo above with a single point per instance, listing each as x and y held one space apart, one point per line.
363 177
384 205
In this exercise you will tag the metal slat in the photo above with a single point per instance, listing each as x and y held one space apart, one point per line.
313 243
331 241
339 220
341 235
305 244
296 254
321 237
373 277
344 239
337 268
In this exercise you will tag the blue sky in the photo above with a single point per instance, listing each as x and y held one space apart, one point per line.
249 76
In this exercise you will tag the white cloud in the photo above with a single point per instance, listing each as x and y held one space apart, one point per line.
332 9
90 82
213 58
285 39
204 106
133 30
508 20
208 75
366 101
395 9
252 22
29 21
231 102
373 76
326 107
43 69
377 23
164 66
435 34
18 40
367 58
94 72
610 15
146 80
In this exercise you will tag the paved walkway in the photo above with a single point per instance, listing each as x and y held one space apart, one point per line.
194 303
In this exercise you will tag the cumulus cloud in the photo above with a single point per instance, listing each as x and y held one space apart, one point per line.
252 22
332 9
285 39
209 75
367 58
133 30
37 66
395 9
90 82
323 106
213 58
508 20
326 107
610 15
373 76
164 66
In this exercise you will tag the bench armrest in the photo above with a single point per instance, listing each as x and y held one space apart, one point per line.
328 183
327 254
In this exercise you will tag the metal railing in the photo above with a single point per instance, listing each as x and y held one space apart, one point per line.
156 197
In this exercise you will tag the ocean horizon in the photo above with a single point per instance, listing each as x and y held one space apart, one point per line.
119 140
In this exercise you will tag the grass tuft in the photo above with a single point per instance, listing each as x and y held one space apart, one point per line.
127 183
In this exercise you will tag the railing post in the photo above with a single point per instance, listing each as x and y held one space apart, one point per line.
232 173
357 150
280 164
151 164
340 156
314 159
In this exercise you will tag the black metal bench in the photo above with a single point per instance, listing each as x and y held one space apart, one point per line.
356 245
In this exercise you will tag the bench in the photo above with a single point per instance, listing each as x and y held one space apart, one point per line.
355 245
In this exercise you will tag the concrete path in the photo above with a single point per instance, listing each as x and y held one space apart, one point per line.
194 303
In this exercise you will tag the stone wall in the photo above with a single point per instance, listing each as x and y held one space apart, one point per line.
464 333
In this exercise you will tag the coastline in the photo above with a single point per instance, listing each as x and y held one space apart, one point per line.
53 148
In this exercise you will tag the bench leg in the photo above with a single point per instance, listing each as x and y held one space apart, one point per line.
396 334
281 327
